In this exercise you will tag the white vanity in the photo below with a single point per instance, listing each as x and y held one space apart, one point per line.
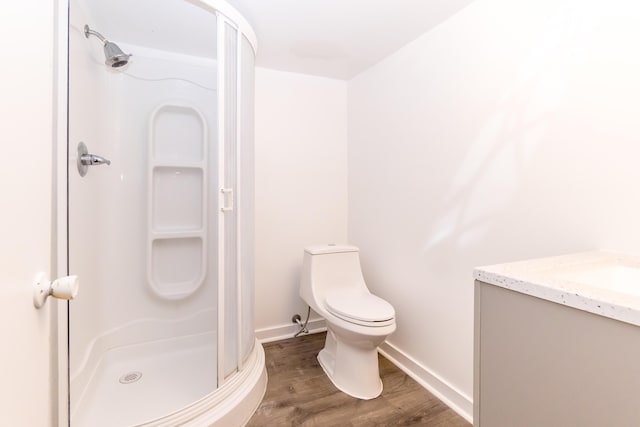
557 342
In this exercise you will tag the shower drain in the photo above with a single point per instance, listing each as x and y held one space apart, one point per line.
130 377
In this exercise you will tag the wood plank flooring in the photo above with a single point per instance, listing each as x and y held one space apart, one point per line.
300 394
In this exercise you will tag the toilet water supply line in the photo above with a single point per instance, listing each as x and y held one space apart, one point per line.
303 327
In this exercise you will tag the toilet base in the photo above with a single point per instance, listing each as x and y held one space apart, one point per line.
353 369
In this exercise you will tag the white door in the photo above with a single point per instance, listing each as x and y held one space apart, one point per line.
26 213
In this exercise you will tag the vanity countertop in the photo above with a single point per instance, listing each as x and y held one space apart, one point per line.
603 283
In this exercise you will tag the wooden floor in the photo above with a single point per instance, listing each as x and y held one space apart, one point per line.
300 394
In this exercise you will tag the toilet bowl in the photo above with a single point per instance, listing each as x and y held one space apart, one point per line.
357 321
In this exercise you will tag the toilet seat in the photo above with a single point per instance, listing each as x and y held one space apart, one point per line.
360 307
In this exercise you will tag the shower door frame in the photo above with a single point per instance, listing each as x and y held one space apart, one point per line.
60 386
222 22
60 326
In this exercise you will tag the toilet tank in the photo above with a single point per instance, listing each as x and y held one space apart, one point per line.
327 268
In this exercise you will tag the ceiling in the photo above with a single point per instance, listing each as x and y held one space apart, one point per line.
338 38
331 38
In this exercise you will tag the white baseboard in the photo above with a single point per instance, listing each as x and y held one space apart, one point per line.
282 332
448 394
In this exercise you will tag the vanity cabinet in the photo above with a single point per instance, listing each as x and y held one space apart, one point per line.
539 363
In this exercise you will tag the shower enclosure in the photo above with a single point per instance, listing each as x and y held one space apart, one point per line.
160 214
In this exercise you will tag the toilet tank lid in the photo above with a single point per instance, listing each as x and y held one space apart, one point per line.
329 249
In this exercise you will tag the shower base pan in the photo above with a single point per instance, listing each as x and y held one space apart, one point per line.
168 383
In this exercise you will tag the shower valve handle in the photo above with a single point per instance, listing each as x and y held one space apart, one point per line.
86 159
92 160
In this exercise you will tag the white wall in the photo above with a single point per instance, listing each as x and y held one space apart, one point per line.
26 215
301 192
508 132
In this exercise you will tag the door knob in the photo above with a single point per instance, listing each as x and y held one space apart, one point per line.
62 288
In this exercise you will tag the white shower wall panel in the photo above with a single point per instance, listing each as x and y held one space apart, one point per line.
117 306
91 86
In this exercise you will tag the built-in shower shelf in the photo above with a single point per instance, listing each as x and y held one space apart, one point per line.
175 234
185 165
177 204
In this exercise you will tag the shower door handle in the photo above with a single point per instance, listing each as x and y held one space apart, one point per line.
86 159
227 195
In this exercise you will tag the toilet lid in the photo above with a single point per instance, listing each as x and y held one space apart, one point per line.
359 306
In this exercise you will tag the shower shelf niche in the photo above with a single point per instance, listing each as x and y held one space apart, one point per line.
177 201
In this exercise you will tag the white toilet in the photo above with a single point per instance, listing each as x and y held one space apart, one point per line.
357 321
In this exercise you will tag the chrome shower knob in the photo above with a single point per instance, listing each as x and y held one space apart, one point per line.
86 159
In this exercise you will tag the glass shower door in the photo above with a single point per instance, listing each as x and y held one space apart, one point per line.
230 192
237 222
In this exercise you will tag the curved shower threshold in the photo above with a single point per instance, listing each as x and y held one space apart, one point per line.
155 384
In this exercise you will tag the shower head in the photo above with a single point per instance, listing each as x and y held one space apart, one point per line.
114 57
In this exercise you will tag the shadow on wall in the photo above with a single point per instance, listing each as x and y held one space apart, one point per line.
513 136
540 177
